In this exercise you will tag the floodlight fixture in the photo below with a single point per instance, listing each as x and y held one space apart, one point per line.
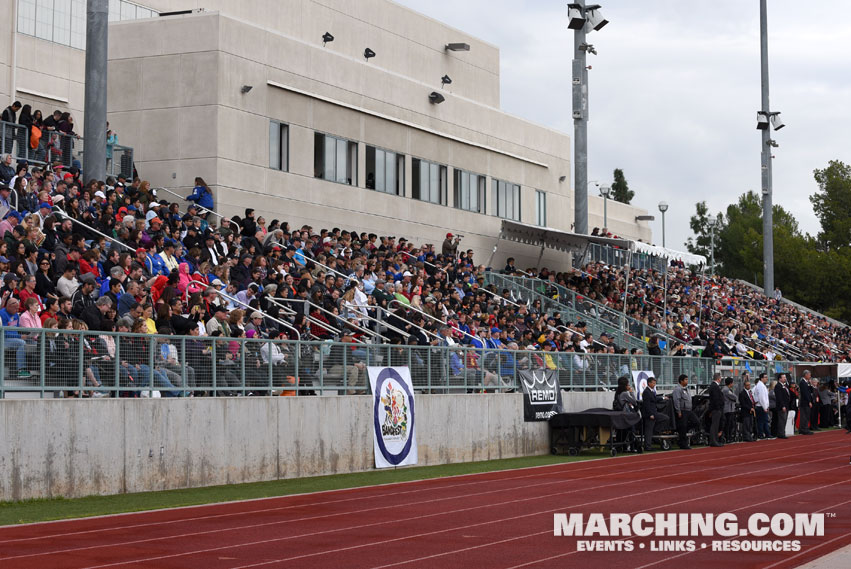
575 17
645 218
445 80
459 46
776 122
606 191
327 37
663 207
761 121
368 53
594 18
246 88
435 98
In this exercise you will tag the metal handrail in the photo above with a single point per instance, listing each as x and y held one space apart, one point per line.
429 316
265 315
203 209
367 331
64 215
423 330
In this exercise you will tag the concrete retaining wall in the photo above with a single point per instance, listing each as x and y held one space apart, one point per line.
72 448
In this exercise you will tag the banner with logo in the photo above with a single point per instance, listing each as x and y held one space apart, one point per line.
393 416
639 378
541 394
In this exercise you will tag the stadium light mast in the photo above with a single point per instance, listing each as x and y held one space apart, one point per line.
763 117
581 19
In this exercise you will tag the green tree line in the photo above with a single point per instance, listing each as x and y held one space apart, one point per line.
813 271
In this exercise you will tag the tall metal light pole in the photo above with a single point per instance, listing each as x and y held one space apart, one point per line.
763 117
663 207
605 191
582 19
94 123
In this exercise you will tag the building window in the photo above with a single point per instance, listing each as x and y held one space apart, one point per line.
506 200
279 146
335 159
470 190
385 171
428 181
540 208
64 21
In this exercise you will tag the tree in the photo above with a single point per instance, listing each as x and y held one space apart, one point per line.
701 224
832 204
620 188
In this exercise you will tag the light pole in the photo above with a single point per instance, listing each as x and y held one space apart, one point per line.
712 227
581 19
605 191
762 120
663 207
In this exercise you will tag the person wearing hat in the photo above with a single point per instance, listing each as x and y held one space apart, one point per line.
5 192
82 298
167 255
256 325
450 246
219 322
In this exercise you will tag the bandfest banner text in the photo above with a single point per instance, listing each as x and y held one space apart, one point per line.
541 394
393 416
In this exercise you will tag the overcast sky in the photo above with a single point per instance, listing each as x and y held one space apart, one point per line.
675 89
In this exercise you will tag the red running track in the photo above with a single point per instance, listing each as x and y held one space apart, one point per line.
494 520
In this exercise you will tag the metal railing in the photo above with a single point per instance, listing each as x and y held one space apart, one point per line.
529 289
52 363
57 147
596 253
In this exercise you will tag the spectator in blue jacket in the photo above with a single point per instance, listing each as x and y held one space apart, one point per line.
13 340
201 195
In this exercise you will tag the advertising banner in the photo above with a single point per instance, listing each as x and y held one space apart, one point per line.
393 416
541 394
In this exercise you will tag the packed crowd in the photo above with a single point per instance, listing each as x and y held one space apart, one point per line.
722 316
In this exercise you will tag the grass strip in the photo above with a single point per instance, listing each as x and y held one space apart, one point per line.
45 509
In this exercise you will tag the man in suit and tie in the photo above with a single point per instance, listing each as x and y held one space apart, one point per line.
716 410
806 406
782 399
747 405
685 416
649 412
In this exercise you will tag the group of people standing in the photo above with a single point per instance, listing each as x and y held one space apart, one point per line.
762 410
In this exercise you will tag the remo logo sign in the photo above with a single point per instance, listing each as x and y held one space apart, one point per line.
393 416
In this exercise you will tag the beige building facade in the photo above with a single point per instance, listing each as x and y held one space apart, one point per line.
248 96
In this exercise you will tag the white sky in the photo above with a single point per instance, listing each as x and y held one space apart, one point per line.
675 89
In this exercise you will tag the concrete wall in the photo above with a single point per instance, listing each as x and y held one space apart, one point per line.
51 448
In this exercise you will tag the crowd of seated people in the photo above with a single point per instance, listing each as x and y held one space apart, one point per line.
721 316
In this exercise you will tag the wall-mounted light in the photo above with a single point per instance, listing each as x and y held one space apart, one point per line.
435 98
457 47
445 80
368 53
327 37
561 179
246 88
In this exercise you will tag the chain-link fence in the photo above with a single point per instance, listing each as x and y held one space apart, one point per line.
70 363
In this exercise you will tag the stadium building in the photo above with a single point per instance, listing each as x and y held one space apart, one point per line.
275 115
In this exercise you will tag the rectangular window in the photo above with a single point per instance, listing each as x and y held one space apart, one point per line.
335 159
506 200
540 208
428 181
26 17
78 24
470 190
44 20
64 21
279 146
385 171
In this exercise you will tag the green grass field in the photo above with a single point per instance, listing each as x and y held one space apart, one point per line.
29 511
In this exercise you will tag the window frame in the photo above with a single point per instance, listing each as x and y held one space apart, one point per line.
481 192
540 208
341 148
279 145
502 190
442 177
399 169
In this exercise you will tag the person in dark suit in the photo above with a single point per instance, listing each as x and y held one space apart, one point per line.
649 412
782 399
747 409
805 408
716 410
683 408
